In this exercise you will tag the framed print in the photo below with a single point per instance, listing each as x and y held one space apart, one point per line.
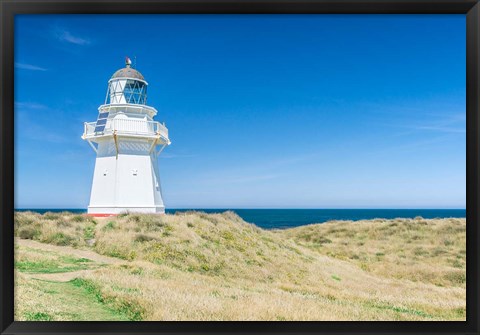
240 167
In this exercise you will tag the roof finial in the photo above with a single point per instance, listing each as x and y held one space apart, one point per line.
128 62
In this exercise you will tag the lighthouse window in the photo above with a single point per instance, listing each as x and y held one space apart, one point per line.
127 91
135 92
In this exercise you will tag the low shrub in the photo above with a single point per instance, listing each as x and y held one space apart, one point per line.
110 226
144 238
29 233
79 218
51 216
59 238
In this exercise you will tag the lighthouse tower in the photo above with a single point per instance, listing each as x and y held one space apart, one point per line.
127 142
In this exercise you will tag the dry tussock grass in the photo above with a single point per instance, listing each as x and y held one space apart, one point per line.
197 266
54 228
422 250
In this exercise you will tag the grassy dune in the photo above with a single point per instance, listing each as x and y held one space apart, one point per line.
197 266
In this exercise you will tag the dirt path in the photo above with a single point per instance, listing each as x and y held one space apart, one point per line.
91 255
66 276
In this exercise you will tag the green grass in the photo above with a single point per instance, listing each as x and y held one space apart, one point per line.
127 308
337 278
89 232
48 267
67 302
37 316
110 225
398 309
30 262
45 267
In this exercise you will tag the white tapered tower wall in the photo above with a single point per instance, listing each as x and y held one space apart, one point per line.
127 182
127 142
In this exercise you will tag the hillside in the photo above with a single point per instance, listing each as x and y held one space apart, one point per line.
197 266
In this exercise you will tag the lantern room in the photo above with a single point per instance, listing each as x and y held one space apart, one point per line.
127 86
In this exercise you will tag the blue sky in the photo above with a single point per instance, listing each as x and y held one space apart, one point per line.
288 111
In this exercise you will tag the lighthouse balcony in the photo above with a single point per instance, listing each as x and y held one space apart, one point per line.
126 127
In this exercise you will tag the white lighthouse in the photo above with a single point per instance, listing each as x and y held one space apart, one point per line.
127 142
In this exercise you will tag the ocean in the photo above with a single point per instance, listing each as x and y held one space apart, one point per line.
288 218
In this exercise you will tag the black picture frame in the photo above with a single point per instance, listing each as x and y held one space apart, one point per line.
10 8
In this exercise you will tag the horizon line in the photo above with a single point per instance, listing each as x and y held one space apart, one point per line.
280 208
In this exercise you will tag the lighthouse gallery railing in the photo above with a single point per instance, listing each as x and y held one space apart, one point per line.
127 126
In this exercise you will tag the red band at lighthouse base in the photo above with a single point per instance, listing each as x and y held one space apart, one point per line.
101 215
